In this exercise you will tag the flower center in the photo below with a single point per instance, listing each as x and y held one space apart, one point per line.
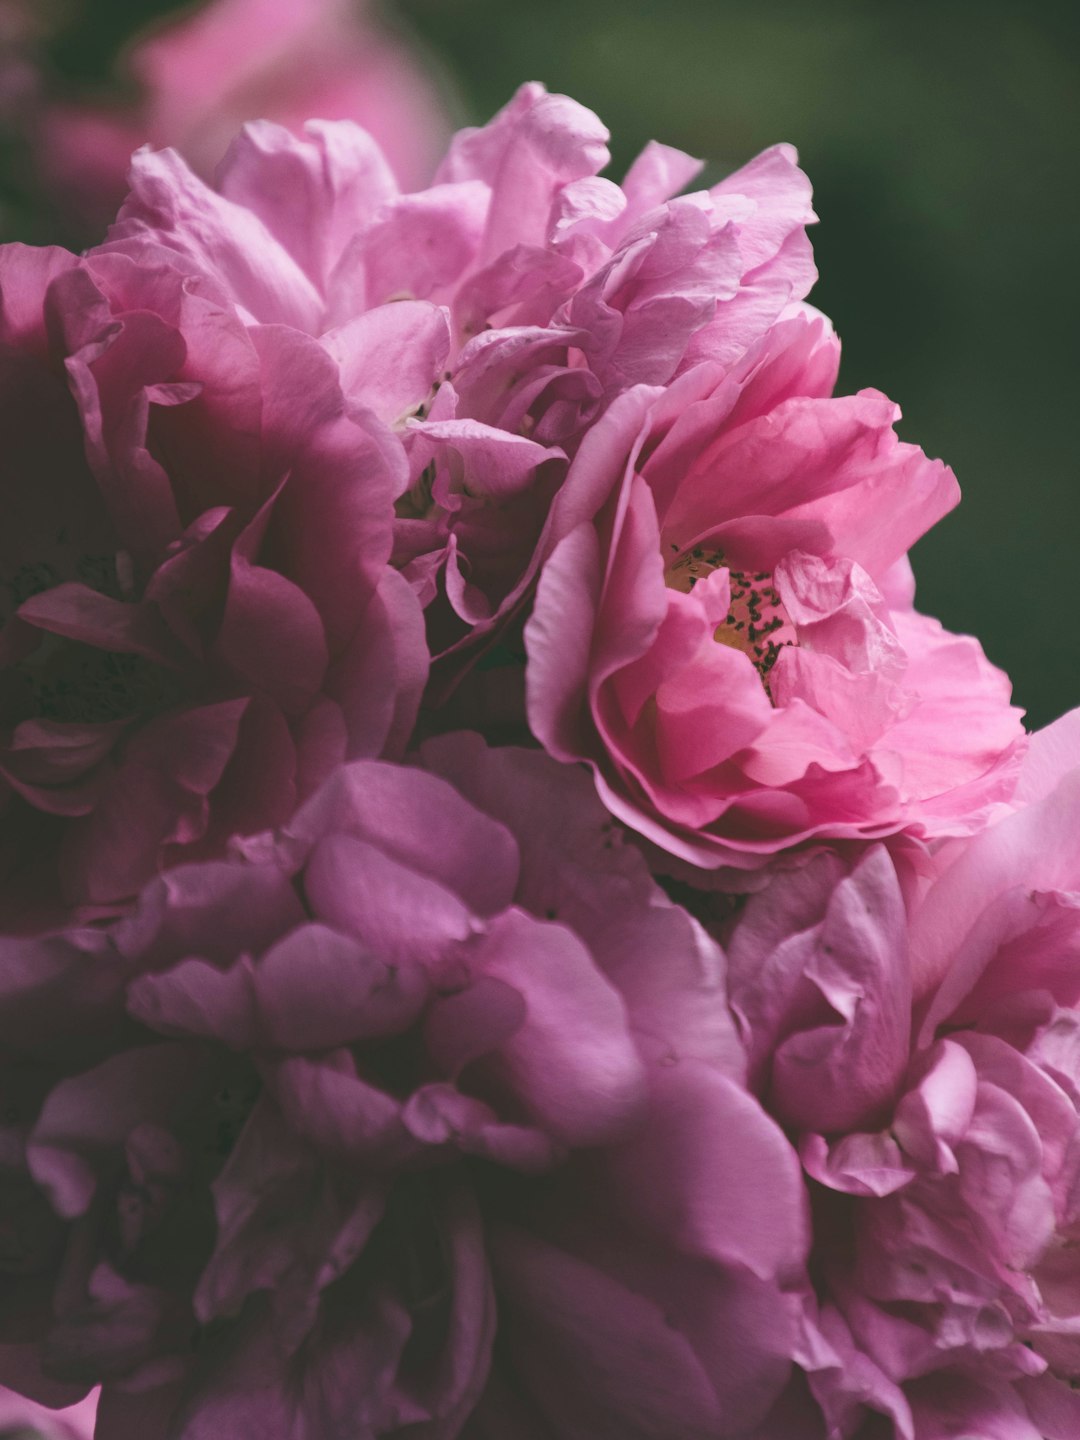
756 622
33 577
417 502
77 684
72 682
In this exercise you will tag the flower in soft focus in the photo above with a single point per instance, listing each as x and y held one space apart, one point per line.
22 1419
199 77
931 1072
198 616
502 310
424 1113
730 641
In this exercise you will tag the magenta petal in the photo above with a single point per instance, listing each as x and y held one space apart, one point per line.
51 985
158 795
215 910
558 650
1050 756
387 906
380 679
271 636
836 1075
494 463
85 1115
79 613
390 358
312 192
317 989
575 1025
659 172
169 206
943 1408
624 1370
1054 1407
26 271
196 998
295 1254
337 1112
438 1115
420 820
417 248
472 1022
49 758
737 1198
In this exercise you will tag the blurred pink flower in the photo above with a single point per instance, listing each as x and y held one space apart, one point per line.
932 1074
26 1420
201 76
407 1126
729 639
199 619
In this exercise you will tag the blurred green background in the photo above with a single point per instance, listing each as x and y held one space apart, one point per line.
942 144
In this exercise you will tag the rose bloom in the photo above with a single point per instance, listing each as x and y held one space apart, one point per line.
421 1115
931 1072
504 307
227 419
729 638
200 76
198 617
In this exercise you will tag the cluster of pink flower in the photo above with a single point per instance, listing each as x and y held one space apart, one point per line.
515 927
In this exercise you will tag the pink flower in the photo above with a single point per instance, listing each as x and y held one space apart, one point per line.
200 77
395 1111
729 639
498 313
619 387
941 1133
198 616
25 1420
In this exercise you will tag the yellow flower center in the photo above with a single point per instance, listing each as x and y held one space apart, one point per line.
756 616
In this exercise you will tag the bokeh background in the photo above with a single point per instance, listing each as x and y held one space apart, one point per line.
942 143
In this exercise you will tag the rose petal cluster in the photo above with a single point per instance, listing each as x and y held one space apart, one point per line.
502 309
359 1077
928 1068
198 614
617 391
730 640
374 1109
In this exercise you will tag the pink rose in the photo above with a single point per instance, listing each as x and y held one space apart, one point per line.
729 639
498 313
198 616
199 77
391 1120
941 1134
